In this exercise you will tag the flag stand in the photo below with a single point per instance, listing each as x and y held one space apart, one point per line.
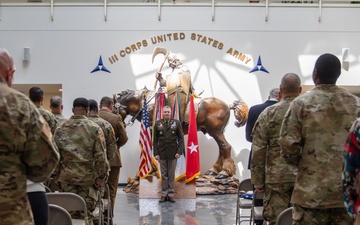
150 187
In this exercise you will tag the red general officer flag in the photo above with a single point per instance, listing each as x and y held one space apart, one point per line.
192 150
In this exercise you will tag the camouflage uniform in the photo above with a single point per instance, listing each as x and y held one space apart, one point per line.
51 120
49 117
27 152
267 166
312 138
109 133
59 118
83 166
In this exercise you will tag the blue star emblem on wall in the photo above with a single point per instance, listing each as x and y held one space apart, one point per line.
100 67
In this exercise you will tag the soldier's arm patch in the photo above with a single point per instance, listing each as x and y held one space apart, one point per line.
46 130
102 137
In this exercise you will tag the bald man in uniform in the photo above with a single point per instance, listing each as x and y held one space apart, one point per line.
26 147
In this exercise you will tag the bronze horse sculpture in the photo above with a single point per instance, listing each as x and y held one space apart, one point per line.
212 117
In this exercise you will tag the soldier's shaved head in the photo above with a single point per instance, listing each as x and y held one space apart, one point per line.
6 60
80 106
93 105
81 102
327 69
290 83
36 94
7 67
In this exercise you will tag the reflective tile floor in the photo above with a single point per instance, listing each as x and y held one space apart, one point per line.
205 209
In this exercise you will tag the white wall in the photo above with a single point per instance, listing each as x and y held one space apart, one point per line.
67 49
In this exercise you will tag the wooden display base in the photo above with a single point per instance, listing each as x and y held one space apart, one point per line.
150 187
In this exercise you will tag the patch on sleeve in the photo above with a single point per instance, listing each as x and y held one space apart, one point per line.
46 130
102 137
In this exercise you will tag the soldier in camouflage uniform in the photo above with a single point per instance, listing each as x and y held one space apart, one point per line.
83 166
27 150
312 138
109 133
269 171
37 96
56 107
108 130
36 191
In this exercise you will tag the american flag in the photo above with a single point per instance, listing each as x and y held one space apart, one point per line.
145 143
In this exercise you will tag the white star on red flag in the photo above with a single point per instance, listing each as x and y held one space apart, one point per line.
193 148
